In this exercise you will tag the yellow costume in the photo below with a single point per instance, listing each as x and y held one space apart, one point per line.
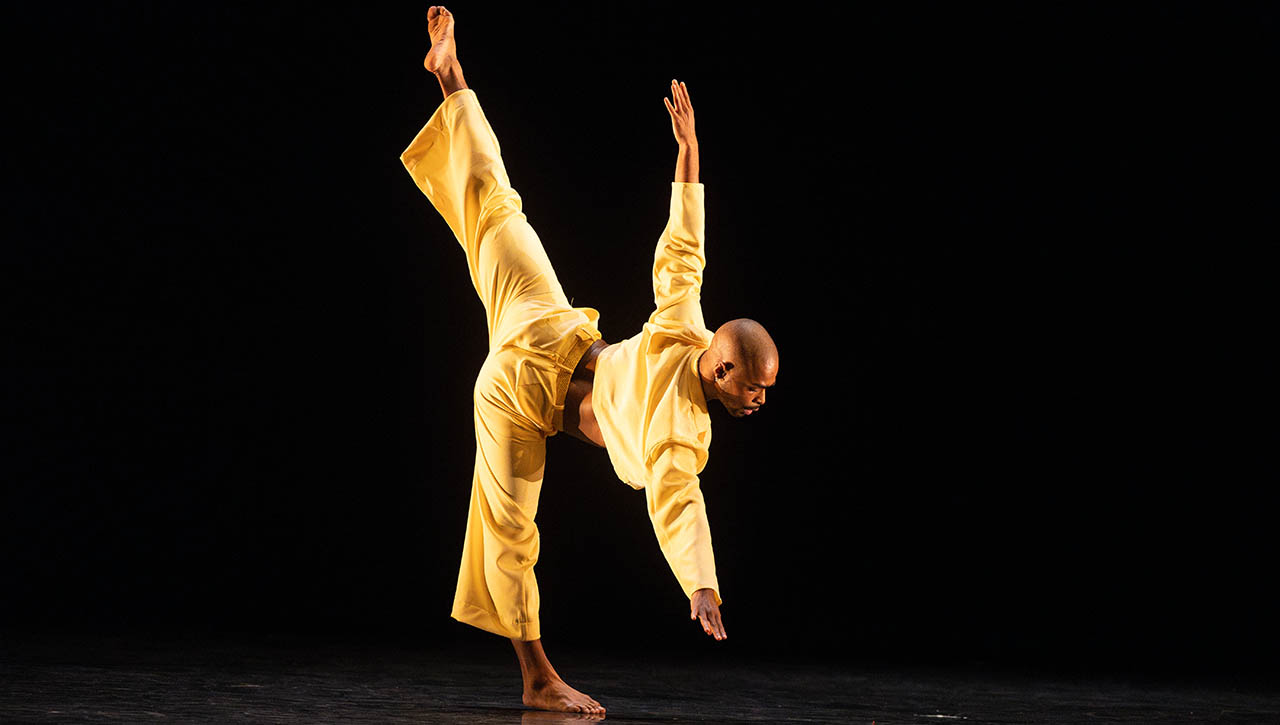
535 341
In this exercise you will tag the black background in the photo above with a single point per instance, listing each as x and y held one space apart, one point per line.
1018 260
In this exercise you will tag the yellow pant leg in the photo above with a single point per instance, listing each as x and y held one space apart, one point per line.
456 161
535 340
497 590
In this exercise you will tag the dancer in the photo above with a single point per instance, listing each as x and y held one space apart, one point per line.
644 399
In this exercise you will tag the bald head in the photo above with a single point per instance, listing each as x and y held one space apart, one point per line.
741 364
745 342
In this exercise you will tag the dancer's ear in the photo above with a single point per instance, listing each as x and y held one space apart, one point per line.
722 369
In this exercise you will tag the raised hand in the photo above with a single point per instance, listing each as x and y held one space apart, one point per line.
681 111
703 607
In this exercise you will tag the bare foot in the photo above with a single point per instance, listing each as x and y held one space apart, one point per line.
440 27
556 696
557 718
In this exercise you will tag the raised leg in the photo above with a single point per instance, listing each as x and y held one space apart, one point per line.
457 163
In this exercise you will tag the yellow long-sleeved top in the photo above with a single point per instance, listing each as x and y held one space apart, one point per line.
649 403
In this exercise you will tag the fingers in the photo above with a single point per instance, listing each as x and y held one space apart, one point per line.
680 92
719 625
680 96
712 626
670 109
709 618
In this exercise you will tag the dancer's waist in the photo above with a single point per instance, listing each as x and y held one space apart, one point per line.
571 360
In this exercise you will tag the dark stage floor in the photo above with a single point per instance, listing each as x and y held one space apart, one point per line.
139 680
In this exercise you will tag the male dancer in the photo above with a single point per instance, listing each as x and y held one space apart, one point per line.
644 399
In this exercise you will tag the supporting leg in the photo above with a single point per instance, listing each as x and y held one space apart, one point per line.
497 590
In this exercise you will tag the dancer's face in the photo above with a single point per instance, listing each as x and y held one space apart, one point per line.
743 388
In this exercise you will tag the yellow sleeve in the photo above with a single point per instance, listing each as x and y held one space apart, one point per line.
679 518
679 260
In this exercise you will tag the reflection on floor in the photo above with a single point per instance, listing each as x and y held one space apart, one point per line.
146 680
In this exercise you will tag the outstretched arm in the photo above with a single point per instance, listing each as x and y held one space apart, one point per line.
679 516
681 111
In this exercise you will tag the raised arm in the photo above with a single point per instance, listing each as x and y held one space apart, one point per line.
679 258
681 111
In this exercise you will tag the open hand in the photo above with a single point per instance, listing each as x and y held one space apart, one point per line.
681 111
703 607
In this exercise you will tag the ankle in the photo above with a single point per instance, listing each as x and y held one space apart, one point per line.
451 79
540 682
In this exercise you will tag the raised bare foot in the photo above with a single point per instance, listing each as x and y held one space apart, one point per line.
440 27
556 696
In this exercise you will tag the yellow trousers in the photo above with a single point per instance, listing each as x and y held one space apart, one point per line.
535 340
